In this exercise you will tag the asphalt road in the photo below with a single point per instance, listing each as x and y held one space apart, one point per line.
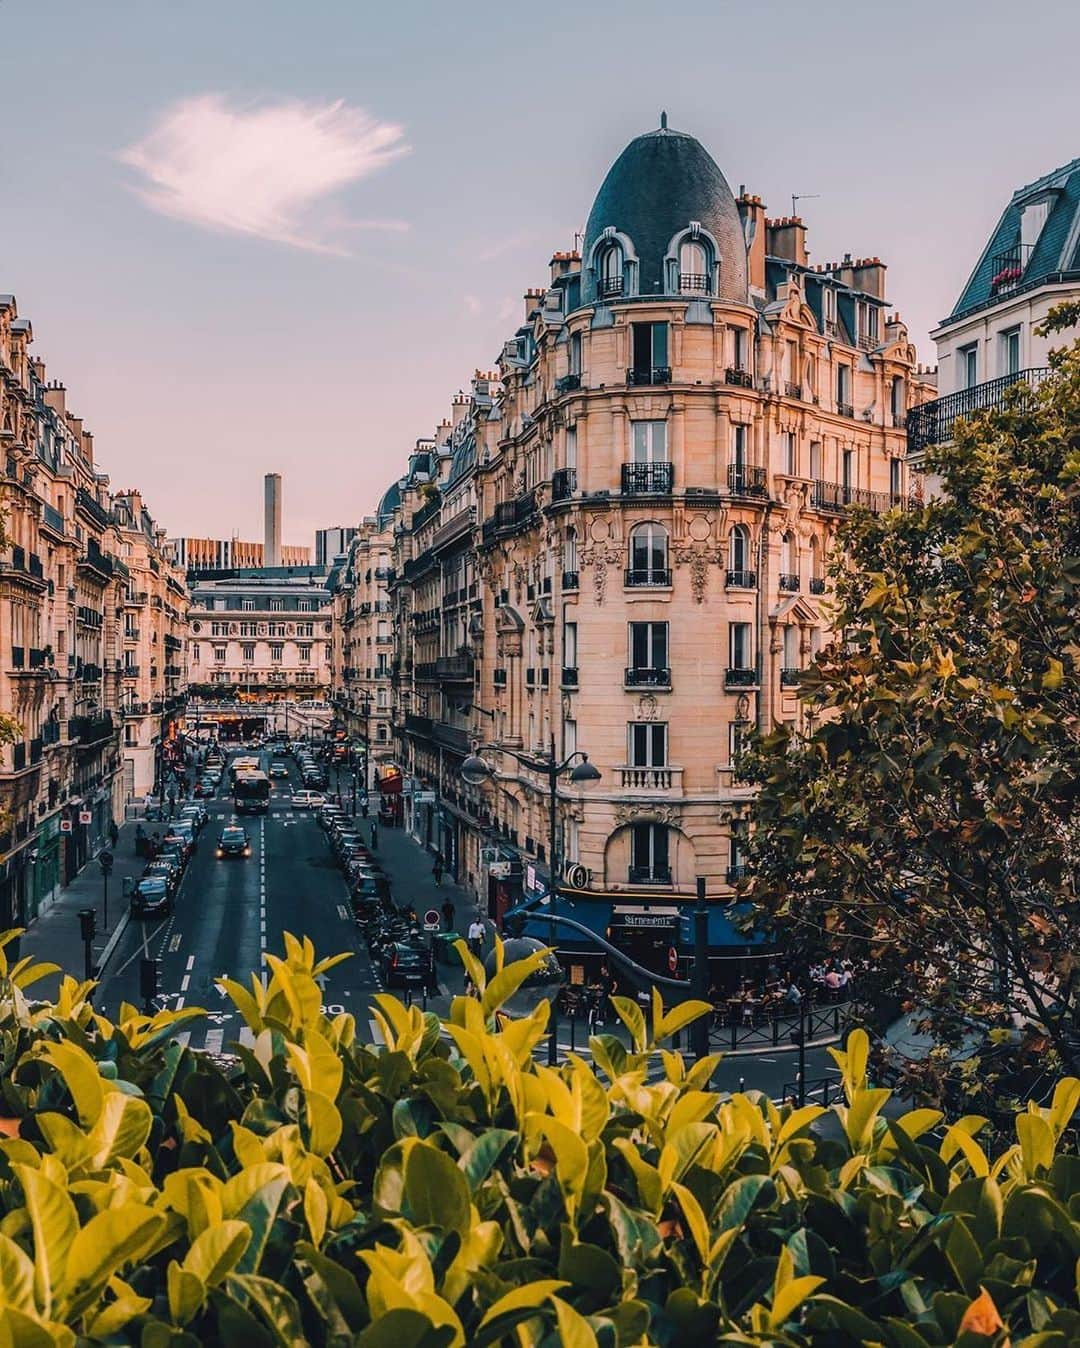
230 911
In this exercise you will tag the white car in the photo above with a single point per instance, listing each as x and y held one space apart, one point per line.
308 800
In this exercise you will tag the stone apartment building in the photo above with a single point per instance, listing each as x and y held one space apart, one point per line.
64 582
619 543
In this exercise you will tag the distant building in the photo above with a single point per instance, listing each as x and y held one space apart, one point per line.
989 342
331 543
228 554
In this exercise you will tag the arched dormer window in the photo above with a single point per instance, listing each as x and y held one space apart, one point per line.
694 275
609 271
648 555
740 571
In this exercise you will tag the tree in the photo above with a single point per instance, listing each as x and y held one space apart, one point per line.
926 824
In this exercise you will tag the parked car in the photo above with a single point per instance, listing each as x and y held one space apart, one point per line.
204 788
196 814
307 800
151 897
163 870
279 769
407 962
234 842
182 837
173 851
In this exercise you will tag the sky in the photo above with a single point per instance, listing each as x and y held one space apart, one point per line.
266 235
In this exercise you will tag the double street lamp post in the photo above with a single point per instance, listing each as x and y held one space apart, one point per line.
475 770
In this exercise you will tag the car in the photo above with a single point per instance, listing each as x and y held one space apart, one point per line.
279 769
180 835
162 870
233 841
184 828
315 781
408 963
329 813
151 897
308 800
172 852
196 814
204 788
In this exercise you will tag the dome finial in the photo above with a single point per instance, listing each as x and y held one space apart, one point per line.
663 121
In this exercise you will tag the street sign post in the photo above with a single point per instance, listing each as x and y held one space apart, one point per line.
673 960
85 817
105 861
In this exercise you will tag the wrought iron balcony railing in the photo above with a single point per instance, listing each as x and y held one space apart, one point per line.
789 582
817 584
568 383
735 374
609 287
656 374
1007 267
741 580
790 676
650 875
652 575
740 676
563 483
932 423
570 580
694 283
647 676
647 479
569 676
745 481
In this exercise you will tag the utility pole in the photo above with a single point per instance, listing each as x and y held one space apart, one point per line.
87 930
701 969
553 863
105 861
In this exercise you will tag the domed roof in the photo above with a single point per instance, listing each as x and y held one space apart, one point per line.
463 460
389 503
660 183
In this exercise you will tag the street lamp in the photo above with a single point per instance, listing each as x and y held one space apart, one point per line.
474 770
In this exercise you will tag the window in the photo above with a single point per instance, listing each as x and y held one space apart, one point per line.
1010 351
275 652
843 389
694 268
896 479
828 306
738 447
814 550
787 556
219 629
308 629
304 653
847 469
649 854
276 605
304 605
739 549
815 459
649 555
650 353
740 646
247 652
647 744
868 322
791 647
570 557
649 648
896 399
248 605
969 365
275 629
195 653
569 645
1032 221
649 441
569 741
738 348
219 654
611 271
737 853
738 740
791 466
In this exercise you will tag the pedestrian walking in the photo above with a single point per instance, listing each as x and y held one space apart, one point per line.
476 936
140 840
374 836
448 911
114 834
436 869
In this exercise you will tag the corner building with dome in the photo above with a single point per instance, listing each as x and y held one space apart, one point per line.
621 547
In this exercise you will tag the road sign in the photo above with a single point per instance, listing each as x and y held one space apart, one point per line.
105 861
499 870
424 798
431 926
432 915
65 825
673 959
85 817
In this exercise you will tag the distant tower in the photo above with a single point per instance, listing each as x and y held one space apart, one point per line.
272 531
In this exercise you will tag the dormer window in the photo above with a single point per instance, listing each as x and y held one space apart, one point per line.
610 272
694 268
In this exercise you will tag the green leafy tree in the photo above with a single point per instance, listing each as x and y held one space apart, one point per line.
926 823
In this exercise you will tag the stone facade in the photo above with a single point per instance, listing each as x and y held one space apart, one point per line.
64 586
619 542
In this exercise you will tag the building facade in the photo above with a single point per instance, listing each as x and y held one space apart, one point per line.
260 635
332 543
991 341
201 556
620 543
64 582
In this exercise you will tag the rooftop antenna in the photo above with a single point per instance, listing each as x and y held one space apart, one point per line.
803 196
663 121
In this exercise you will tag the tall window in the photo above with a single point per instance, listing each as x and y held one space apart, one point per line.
739 549
219 654
569 645
247 652
813 548
571 446
828 306
843 388
740 646
1010 351
647 744
694 267
847 469
649 555
575 353
738 348
738 448
791 647
815 459
896 480
649 441
791 466
276 605
738 740
969 365
276 649
304 605
649 648
787 555
195 653
611 271
896 398
304 653
650 352
247 605
650 857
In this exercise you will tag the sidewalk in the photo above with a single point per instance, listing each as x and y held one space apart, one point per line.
55 936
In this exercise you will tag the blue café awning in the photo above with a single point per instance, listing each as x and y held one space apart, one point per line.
595 916
722 930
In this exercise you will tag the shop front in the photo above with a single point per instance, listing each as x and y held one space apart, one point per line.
390 786
646 934
45 872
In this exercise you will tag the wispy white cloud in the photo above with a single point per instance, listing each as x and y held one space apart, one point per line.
263 170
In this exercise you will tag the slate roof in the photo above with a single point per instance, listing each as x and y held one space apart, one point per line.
1057 248
389 503
660 182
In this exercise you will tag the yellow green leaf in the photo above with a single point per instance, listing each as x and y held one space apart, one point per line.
187 1293
217 1251
55 1224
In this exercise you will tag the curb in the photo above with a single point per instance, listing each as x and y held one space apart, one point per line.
778 1050
113 942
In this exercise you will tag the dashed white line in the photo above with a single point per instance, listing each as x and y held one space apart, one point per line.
190 963
184 982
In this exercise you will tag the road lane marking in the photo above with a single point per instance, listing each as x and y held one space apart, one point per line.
213 1041
185 982
179 1004
376 1033
262 885
174 943
343 912
190 963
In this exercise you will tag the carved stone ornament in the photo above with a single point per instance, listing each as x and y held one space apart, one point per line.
742 707
697 559
600 558
567 710
647 707
629 812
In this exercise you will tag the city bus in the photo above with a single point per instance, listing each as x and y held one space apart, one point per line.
251 792
244 763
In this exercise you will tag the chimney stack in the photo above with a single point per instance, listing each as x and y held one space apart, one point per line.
272 519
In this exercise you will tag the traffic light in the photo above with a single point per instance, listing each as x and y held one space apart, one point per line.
149 979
